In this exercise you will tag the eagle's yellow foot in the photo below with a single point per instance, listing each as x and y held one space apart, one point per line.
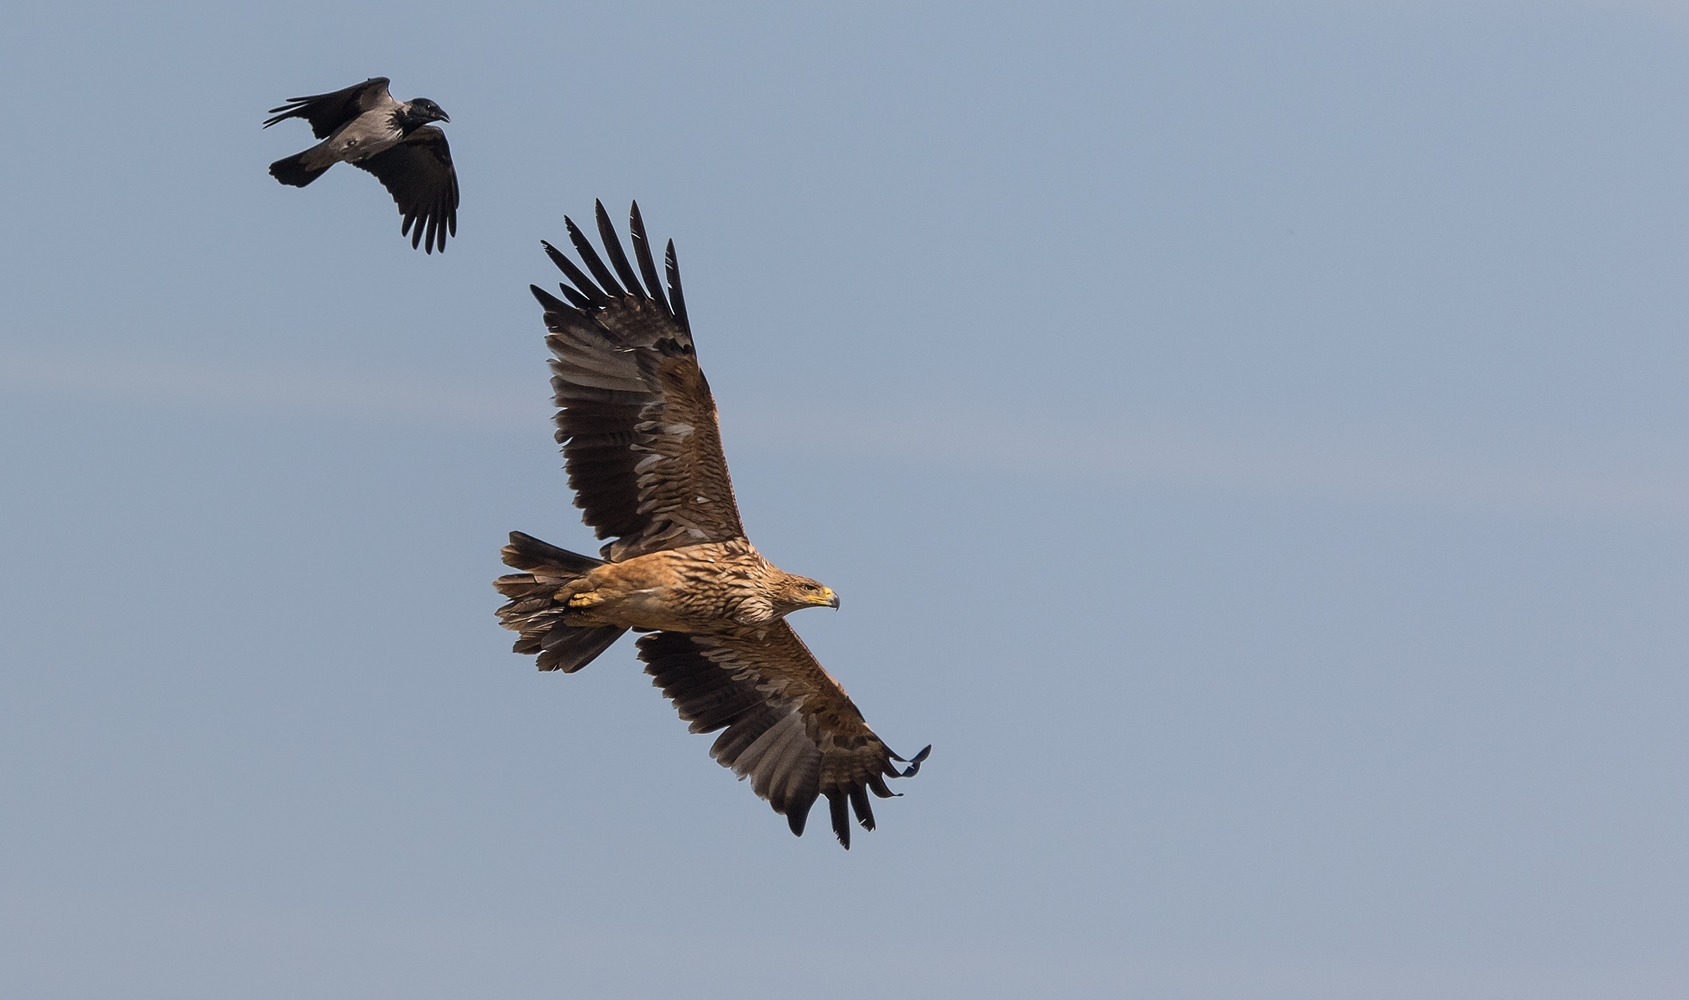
587 600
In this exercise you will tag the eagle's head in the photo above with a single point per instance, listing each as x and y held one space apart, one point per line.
795 592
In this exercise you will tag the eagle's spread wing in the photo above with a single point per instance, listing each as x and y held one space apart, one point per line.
635 417
791 728
327 112
418 173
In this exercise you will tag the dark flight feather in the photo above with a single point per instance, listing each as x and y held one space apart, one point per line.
327 112
548 301
613 247
676 299
840 818
589 256
418 173
642 252
591 292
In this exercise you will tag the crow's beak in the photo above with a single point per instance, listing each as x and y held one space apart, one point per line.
445 117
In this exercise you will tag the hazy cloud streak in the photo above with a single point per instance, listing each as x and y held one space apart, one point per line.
267 387
1630 481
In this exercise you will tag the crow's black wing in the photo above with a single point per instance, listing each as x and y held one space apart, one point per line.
327 112
418 173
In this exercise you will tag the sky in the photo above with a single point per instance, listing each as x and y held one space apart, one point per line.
1248 440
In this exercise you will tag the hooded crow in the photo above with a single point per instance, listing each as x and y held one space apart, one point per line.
366 127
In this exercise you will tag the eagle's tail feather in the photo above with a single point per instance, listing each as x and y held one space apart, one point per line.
534 612
292 170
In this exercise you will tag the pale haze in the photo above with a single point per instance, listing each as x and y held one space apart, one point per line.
1249 441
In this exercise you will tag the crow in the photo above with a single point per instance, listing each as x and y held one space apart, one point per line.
366 127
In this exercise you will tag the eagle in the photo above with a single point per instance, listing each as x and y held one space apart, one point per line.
366 127
643 454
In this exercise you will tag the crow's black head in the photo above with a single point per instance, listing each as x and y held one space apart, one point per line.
420 112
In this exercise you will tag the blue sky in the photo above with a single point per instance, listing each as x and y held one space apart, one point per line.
1248 441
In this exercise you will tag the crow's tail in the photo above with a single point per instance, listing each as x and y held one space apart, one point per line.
292 170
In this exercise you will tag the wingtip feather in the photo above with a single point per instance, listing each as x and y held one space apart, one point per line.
841 819
859 803
647 266
613 246
589 256
548 301
677 298
914 762
576 276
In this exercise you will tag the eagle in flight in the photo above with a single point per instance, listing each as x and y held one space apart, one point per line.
643 453
366 127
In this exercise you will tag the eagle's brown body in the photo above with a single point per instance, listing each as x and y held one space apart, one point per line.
723 588
643 452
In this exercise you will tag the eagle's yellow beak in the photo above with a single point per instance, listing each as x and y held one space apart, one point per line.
827 598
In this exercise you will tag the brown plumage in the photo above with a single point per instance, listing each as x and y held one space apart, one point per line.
643 453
